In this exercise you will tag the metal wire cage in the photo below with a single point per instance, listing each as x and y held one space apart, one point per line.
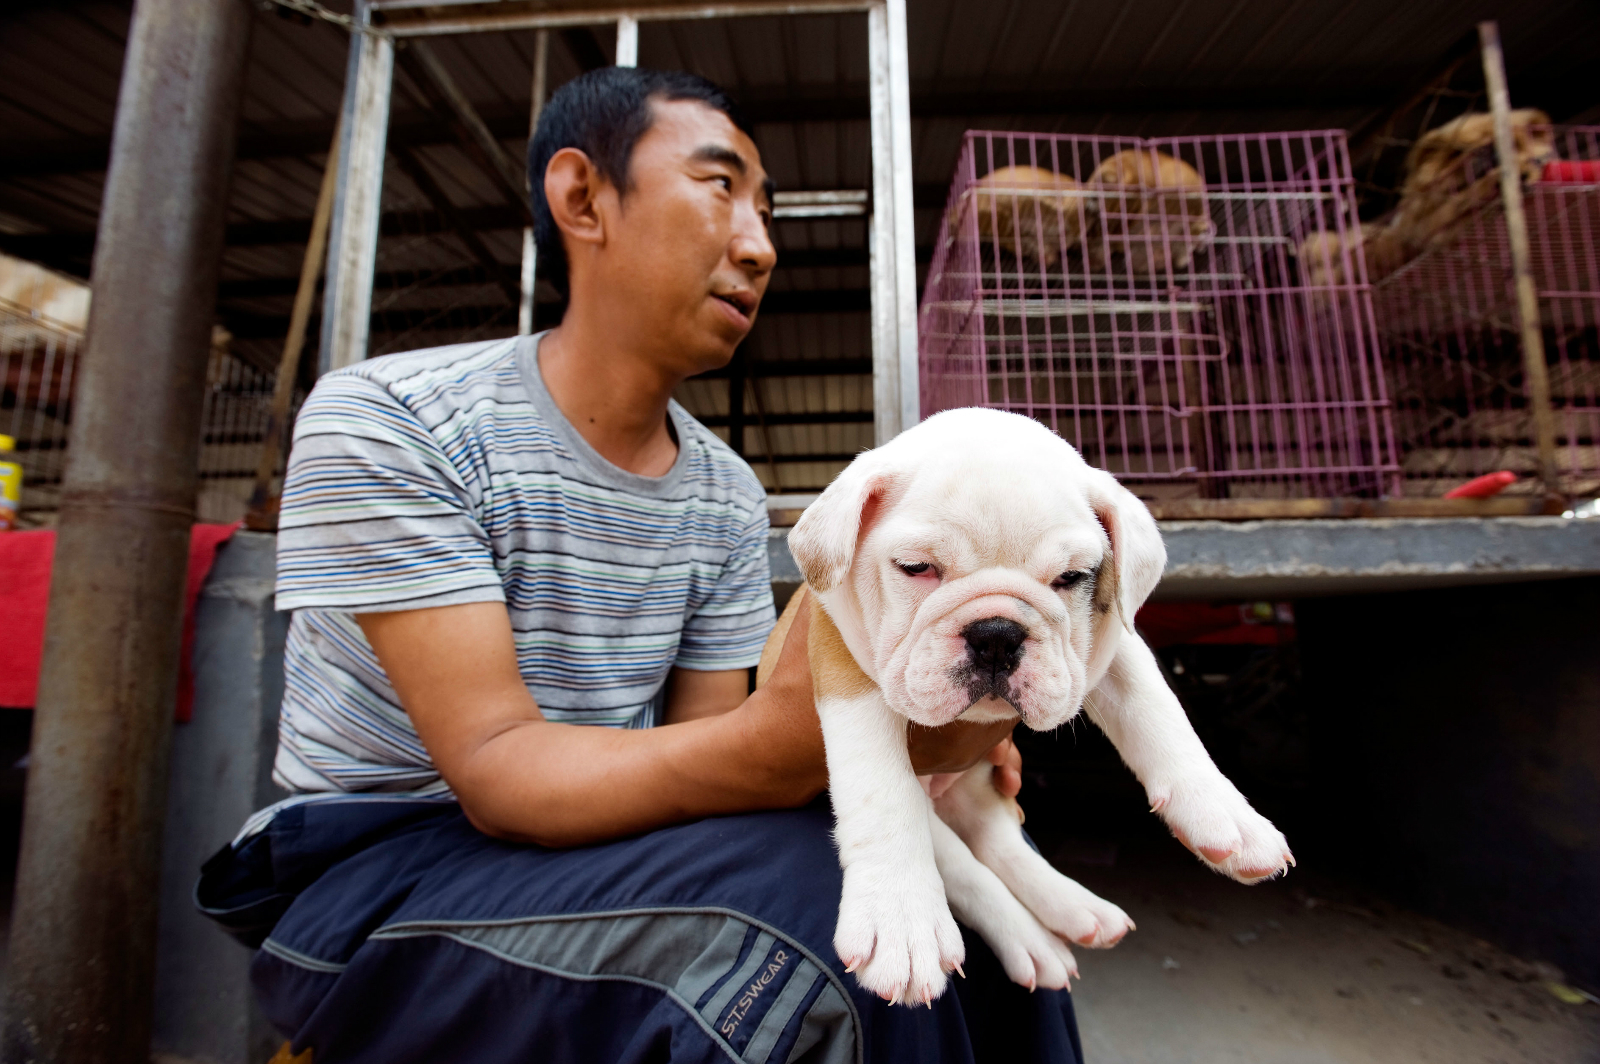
1449 323
39 360
1168 307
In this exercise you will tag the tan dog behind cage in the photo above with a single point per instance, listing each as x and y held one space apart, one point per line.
1440 192
1027 211
1152 214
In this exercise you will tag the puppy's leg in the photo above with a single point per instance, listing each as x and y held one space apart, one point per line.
985 822
895 930
1030 954
1144 720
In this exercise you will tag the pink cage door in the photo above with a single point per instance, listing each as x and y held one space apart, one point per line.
1448 318
1187 312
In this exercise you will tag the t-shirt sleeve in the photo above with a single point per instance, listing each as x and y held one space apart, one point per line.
731 626
375 517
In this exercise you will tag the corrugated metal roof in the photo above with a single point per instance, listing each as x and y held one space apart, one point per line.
1151 67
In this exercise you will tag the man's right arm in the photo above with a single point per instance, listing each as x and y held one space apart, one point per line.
521 777
524 778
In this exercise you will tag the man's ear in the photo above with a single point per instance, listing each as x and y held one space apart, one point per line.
823 541
1138 557
572 185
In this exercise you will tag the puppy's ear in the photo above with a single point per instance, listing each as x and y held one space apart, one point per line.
823 541
1138 557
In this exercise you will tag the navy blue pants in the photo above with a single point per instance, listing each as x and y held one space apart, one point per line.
390 930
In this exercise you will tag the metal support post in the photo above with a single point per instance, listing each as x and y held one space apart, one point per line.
881 245
530 250
82 950
1534 367
905 232
627 41
353 247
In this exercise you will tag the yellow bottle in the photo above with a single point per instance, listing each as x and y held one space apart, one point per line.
10 486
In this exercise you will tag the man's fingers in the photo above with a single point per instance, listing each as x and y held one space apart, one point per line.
1007 761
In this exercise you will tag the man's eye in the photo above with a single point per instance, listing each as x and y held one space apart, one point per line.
914 569
727 183
1066 580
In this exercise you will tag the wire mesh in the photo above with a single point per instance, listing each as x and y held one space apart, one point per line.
37 359
1159 303
39 362
1449 323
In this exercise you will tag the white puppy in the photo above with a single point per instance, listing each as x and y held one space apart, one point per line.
975 567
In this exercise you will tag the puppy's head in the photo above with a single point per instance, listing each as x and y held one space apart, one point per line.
979 568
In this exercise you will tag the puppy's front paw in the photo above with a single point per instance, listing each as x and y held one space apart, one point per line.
896 934
1212 819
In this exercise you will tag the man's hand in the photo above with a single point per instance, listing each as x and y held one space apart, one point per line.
955 747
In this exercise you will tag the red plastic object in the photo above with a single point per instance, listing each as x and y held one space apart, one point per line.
1486 486
1572 172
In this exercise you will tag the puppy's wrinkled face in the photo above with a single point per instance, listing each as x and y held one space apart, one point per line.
979 590
980 580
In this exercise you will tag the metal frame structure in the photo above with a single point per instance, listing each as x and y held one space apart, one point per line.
353 246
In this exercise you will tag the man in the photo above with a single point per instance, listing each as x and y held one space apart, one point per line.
492 547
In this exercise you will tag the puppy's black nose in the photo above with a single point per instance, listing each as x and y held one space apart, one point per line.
996 644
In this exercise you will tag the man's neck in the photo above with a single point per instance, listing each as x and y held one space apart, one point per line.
615 397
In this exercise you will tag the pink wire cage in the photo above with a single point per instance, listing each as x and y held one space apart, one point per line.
1146 299
1449 323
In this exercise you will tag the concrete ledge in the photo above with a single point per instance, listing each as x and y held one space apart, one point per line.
1298 559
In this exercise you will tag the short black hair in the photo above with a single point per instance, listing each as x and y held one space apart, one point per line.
603 114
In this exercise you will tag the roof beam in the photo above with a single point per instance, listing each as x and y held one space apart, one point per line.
70 252
278 287
247 326
418 173
842 103
479 143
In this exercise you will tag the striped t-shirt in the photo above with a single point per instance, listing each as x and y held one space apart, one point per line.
448 476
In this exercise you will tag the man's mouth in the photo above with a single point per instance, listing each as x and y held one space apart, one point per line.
744 303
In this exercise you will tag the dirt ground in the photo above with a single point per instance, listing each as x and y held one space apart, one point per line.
1302 971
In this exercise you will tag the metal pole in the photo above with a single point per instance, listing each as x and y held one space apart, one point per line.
353 255
1534 367
881 245
259 516
530 250
627 41
83 928
904 231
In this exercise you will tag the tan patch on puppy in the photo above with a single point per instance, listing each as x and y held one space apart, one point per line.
834 672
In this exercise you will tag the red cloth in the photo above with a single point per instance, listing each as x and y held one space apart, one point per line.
1180 623
25 562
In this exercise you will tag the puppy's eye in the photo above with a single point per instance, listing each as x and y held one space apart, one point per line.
915 568
1066 580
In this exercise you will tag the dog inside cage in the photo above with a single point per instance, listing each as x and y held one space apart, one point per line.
1145 299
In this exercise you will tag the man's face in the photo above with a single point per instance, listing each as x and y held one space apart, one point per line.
689 241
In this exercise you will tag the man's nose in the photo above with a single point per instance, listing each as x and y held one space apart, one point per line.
996 644
752 246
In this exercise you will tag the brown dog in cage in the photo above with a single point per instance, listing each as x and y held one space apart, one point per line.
1028 212
1151 214
1443 188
